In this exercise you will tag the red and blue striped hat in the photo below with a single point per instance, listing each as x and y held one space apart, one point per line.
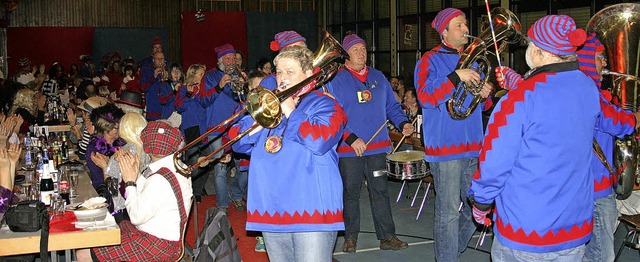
444 17
587 57
284 39
350 40
224 50
156 41
557 34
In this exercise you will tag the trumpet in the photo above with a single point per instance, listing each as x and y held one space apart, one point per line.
264 105
238 80
623 76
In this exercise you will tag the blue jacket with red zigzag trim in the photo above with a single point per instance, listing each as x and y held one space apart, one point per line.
613 122
193 114
299 188
366 118
444 138
152 95
535 161
219 105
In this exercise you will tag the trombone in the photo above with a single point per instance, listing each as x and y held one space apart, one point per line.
264 105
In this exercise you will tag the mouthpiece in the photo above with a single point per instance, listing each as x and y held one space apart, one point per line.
627 76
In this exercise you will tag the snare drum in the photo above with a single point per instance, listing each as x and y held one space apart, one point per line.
407 165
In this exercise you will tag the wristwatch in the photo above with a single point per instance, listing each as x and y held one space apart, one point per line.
130 183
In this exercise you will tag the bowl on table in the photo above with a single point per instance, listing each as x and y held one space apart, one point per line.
95 214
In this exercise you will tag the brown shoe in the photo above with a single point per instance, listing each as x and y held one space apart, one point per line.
392 243
349 245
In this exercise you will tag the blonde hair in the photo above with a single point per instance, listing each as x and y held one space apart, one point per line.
131 126
191 73
24 98
302 55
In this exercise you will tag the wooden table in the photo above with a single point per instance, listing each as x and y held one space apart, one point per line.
14 243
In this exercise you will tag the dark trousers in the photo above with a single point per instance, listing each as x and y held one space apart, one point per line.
199 174
353 171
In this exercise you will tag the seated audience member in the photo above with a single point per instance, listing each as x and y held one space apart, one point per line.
30 106
106 121
131 126
157 202
8 160
130 102
86 130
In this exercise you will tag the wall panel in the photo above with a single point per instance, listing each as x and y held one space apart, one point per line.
104 13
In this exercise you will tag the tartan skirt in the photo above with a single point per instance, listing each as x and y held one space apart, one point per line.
137 245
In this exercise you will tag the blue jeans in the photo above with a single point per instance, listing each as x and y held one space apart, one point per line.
452 229
220 173
353 170
300 246
239 183
600 247
502 253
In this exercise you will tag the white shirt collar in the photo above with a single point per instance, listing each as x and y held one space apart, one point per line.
166 161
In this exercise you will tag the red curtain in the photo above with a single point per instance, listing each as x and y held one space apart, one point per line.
44 45
199 39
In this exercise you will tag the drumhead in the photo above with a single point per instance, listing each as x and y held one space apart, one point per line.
406 156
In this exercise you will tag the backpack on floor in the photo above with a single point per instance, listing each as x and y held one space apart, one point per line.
216 241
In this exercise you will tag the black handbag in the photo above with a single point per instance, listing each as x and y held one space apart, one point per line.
30 216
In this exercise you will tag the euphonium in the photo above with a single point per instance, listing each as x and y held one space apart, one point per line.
264 105
507 29
618 28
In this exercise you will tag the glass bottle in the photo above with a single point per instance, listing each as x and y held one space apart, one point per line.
46 187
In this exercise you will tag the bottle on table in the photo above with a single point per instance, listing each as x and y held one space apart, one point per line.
46 186
64 148
63 187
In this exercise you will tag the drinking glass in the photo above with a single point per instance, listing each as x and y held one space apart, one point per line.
73 177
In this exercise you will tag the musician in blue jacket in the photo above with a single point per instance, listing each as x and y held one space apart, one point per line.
295 191
613 122
535 159
220 102
280 41
367 98
451 146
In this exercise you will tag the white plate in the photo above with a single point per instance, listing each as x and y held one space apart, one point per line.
107 222
91 214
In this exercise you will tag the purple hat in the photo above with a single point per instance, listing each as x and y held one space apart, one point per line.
587 57
444 17
224 50
351 40
284 39
557 34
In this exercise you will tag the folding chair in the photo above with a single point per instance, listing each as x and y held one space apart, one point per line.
632 223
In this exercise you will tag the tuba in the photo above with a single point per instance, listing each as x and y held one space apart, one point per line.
618 28
264 105
507 30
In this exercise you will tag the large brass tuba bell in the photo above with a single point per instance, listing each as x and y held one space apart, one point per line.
465 97
618 28
264 105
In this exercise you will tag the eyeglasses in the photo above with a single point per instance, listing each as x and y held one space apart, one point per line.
602 57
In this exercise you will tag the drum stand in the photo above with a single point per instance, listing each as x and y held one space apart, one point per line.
428 181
